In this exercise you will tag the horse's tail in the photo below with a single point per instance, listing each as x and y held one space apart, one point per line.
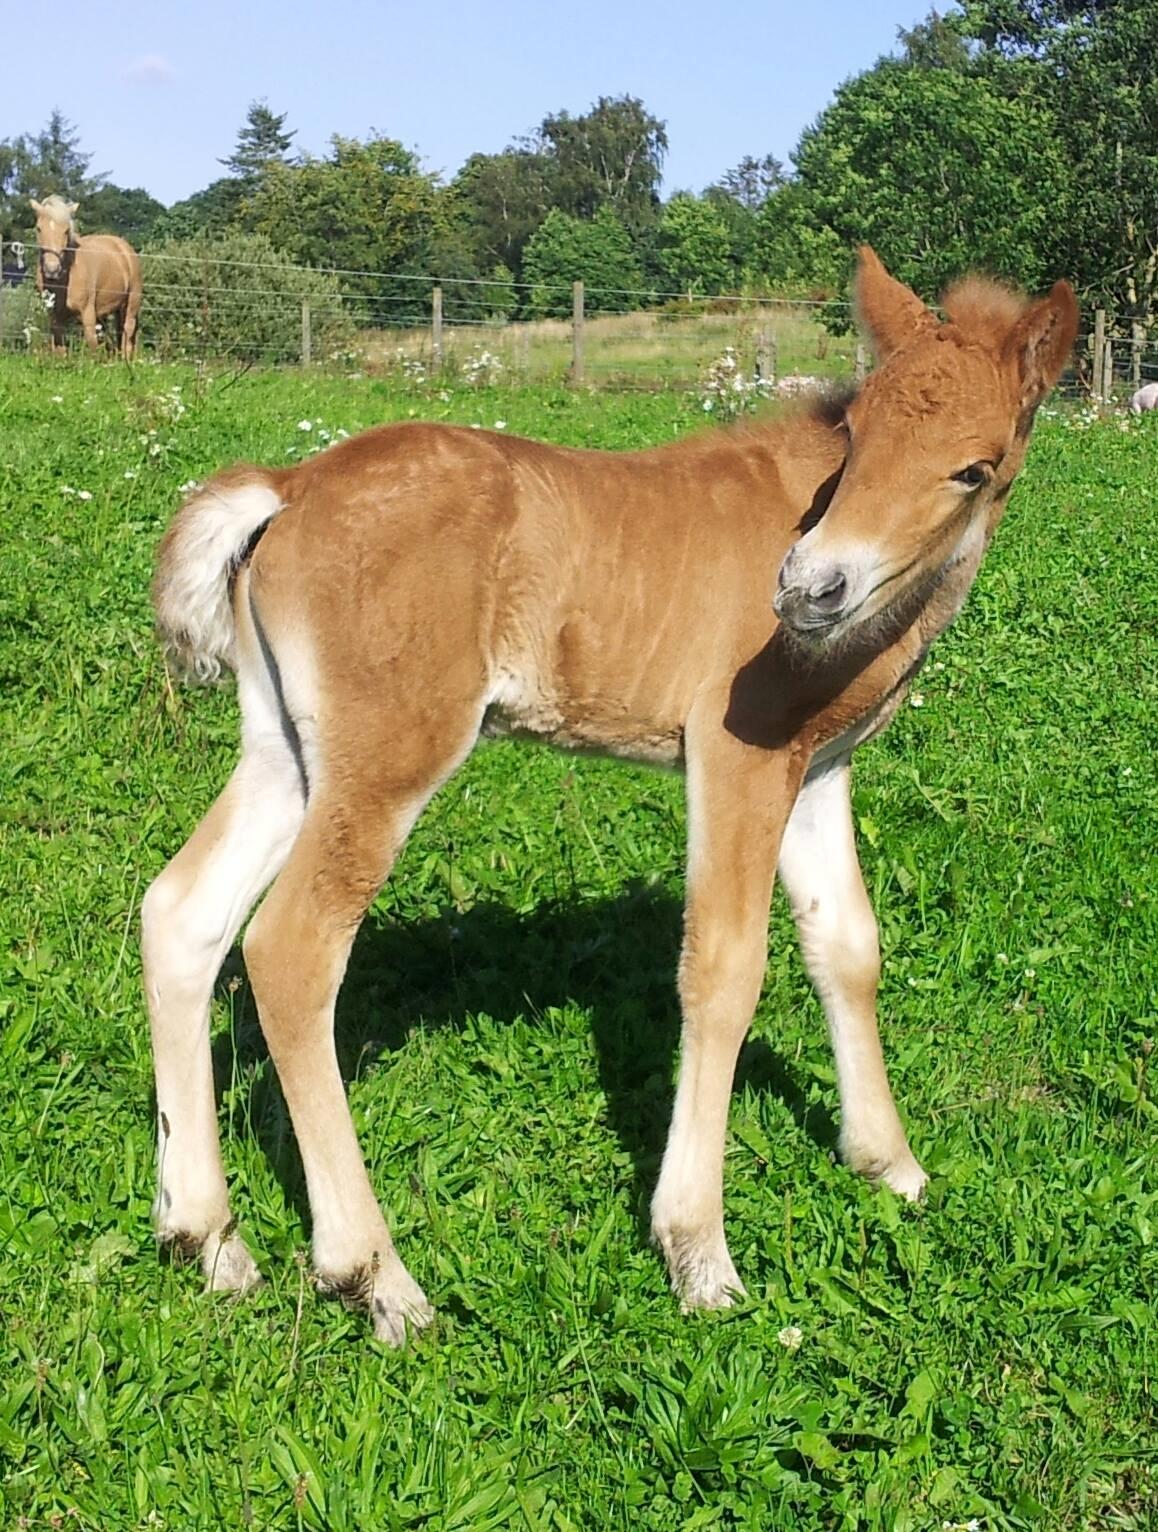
209 540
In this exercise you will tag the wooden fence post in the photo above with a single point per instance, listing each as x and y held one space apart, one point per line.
307 336
1099 350
576 378
765 356
1108 368
1137 342
436 330
861 364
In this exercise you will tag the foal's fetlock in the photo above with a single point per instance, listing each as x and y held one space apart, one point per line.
396 1304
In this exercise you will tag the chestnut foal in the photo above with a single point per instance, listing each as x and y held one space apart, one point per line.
747 605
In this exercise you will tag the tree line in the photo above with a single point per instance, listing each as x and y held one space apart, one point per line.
1020 136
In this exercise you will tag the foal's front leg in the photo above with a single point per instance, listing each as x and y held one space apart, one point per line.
738 800
838 940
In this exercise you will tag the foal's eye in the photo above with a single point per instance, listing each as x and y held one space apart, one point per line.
974 476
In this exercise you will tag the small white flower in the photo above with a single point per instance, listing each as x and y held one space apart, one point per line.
500 425
917 699
1031 973
790 1337
188 486
67 489
130 473
1003 957
84 494
56 399
305 425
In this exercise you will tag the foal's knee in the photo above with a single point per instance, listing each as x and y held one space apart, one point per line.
181 940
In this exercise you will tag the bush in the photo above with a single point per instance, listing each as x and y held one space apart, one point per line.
23 315
238 297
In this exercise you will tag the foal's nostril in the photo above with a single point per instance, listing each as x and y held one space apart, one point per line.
828 593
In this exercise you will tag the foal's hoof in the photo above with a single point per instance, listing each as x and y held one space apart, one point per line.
396 1304
396 1317
906 1178
702 1274
228 1265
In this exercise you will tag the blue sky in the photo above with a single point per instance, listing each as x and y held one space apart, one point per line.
159 89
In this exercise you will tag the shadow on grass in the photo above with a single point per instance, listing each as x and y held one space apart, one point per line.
614 958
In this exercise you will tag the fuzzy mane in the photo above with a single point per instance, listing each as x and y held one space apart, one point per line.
983 309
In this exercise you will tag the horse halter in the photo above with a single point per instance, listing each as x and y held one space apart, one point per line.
63 257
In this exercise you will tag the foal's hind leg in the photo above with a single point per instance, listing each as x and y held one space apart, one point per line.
296 949
190 917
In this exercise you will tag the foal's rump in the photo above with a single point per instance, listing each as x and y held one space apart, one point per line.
382 549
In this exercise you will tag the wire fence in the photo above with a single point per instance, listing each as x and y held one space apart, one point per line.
215 308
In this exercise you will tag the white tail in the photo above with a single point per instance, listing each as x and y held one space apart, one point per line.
207 542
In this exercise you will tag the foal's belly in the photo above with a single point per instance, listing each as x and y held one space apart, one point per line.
520 709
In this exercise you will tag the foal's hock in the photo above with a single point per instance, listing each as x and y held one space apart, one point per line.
747 605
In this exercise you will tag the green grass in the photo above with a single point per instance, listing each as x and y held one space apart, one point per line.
508 1030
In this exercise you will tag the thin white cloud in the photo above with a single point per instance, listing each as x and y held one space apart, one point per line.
152 69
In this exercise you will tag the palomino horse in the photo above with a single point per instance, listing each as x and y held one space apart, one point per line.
92 276
747 605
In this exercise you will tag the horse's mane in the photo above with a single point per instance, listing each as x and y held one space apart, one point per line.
59 210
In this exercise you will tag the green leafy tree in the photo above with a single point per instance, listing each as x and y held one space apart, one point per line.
128 211
501 199
207 214
695 249
1093 67
366 209
611 156
597 251
794 250
940 171
938 42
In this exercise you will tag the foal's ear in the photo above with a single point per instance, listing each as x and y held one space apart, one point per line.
34 205
891 313
1039 344
72 207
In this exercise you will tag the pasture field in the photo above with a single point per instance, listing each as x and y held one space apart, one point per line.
508 1030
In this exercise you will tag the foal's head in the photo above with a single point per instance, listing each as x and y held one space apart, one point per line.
935 439
55 227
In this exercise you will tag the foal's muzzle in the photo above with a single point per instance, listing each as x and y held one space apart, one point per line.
812 598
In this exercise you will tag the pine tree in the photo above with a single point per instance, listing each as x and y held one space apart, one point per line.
261 141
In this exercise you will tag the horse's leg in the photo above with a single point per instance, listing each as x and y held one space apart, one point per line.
738 800
838 939
190 917
129 325
88 319
371 787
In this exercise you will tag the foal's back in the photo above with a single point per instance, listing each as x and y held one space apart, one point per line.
586 596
